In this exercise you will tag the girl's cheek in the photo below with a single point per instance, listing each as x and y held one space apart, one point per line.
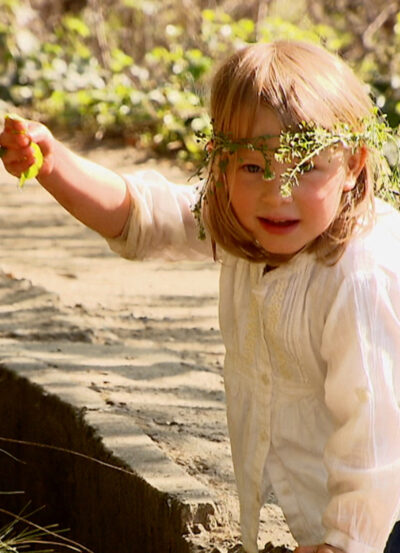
316 196
302 191
319 185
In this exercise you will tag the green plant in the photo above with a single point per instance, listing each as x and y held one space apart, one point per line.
142 71
15 536
21 534
298 148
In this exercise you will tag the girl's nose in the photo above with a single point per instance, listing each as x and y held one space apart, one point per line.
272 192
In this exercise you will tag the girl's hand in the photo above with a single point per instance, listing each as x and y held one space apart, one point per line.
322 548
96 196
18 154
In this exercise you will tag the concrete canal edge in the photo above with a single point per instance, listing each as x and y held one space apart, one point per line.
143 503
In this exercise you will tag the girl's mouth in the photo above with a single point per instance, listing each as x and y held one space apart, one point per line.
282 226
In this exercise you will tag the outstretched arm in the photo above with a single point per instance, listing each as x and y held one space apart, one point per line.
93 194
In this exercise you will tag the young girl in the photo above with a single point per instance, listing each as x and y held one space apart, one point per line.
309 293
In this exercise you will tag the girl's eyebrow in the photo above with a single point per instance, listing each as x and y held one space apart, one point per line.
250 143
248 153
260 147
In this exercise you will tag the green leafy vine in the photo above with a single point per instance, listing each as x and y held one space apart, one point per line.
298 147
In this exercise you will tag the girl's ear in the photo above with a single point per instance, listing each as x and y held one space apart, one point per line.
355 164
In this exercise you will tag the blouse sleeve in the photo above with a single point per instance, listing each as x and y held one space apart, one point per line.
161 223
361 345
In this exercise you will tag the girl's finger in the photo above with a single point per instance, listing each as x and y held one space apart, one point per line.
17 168
16 125
18 161
9 139
13 141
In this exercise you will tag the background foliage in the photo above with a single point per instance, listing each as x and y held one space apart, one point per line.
140 69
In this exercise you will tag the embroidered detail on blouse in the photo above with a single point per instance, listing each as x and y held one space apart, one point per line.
273 327
252 332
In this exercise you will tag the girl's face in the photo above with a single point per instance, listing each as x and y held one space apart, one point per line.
285 225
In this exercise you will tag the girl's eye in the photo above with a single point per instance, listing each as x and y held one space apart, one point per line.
252 168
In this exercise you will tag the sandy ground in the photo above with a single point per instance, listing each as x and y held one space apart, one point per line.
161 318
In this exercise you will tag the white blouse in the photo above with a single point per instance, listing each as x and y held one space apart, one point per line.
312 372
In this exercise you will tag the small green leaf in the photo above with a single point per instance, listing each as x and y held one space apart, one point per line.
268 173
14 117
34 169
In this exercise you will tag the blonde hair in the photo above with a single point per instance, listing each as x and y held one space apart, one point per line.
300 82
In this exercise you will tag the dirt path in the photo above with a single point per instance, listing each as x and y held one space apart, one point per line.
161 318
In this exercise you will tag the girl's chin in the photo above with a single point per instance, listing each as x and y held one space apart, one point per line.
282 252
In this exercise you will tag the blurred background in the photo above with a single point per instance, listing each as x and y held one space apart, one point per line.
139 70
